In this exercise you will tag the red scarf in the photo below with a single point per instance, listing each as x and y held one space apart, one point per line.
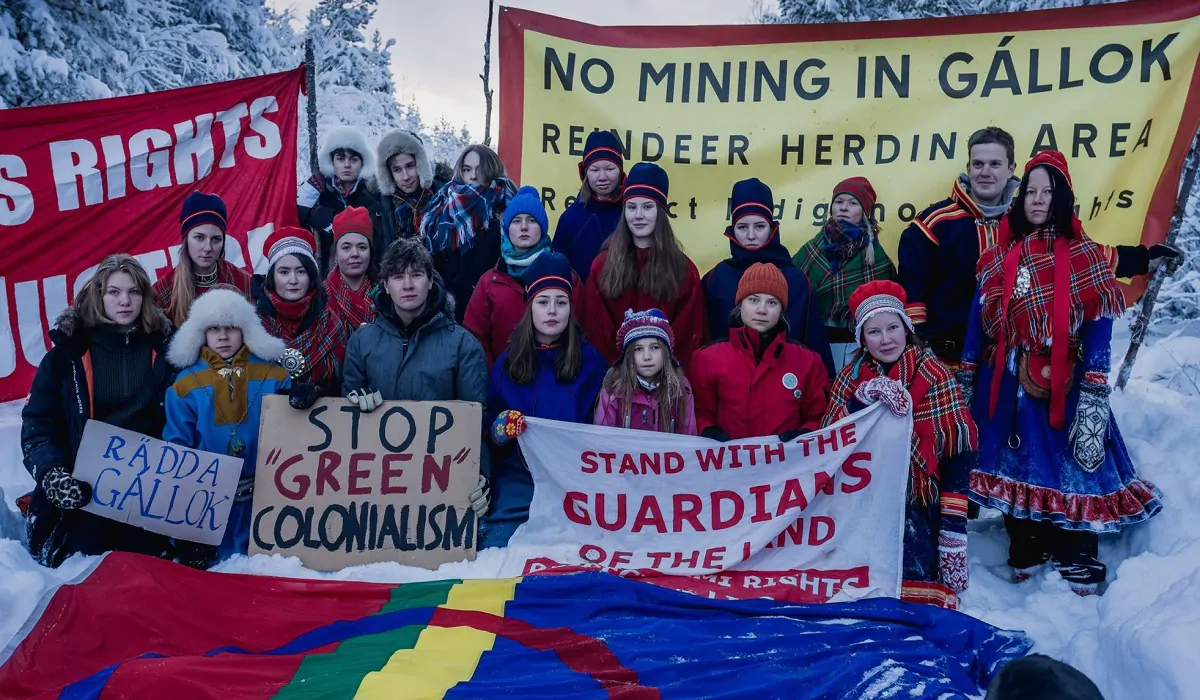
355 307
1023 282
942 424
323 343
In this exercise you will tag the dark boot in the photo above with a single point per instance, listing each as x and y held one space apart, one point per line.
1075 556
1028 547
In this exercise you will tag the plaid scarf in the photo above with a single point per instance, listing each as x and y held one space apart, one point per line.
942 424
461 210
834 283
322 340
409 210
355 308
841 241
1037 292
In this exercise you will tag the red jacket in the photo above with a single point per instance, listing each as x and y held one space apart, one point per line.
787 390
497 306
601 317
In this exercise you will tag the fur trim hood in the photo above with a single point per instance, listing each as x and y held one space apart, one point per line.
350 138
394 143
222 307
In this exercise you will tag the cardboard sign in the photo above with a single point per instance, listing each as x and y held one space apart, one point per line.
155 485
337 487
801 521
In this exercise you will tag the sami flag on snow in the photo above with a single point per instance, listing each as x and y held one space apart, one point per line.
140 627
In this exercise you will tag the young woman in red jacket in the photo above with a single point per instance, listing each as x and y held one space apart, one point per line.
758 382
641 267
498 303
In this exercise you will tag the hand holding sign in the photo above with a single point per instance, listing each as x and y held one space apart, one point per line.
157 486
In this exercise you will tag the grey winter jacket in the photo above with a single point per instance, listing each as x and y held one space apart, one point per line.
441 361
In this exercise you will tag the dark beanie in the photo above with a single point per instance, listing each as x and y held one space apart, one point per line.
200 208
647 180
752 197
601 145
550 271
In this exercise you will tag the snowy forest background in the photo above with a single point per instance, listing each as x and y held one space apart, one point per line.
64 51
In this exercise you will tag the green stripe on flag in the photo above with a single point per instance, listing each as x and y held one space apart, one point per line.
339 673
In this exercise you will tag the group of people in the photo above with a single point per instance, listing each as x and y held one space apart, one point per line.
420 284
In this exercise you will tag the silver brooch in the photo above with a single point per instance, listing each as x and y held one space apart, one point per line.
226 371
1024 282
294 362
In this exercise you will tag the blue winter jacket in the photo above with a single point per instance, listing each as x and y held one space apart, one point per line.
193 420
802 315
582 230
544 397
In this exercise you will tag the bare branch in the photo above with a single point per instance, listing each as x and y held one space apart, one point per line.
485 77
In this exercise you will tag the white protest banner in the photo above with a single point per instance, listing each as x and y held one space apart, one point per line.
793 521
155 485
338 487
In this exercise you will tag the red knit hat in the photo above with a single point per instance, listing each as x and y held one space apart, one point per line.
1054 159
289 240
763 278
874 298
860 188
353 220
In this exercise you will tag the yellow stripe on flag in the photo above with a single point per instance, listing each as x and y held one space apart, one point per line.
442 656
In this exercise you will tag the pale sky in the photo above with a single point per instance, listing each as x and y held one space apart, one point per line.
438 54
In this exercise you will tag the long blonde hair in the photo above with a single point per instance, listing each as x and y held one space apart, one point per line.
89 303
621 381
183 284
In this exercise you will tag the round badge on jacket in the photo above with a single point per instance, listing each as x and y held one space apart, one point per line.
790 381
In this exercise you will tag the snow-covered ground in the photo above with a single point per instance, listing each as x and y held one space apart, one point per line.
1135 641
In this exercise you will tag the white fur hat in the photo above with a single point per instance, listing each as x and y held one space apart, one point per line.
221 307
349 138
393 144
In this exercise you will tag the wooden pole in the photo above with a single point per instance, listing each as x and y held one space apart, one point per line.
310 64
1141 323
486 78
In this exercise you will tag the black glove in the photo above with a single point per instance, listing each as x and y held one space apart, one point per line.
1165 250
303 395
714 433
790 435
65 491
196 555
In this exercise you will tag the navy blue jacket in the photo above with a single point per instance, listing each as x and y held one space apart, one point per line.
544 397
802 315
52 424
582 230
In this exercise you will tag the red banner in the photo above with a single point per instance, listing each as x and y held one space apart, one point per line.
82 180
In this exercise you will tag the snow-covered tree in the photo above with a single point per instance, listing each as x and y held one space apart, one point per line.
814 11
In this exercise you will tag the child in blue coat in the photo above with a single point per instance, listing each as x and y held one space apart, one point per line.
229 366
548 371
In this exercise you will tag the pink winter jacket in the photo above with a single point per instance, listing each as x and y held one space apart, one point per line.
644 415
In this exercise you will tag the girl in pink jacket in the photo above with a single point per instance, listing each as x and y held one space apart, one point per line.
646 388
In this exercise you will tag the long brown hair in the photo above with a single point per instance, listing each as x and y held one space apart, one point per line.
490 165
663 276
89 303
522 351
621 381
183 283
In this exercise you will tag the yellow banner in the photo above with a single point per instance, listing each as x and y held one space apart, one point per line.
804 106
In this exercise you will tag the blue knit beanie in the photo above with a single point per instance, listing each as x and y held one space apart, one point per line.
601 145
647 180
200 208
752 196
550 271
527 200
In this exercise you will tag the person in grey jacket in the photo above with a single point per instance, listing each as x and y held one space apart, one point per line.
414 350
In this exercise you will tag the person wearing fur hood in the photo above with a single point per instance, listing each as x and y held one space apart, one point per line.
229 363
108 363
345 180
407 181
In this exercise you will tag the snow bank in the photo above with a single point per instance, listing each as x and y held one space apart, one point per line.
1135 641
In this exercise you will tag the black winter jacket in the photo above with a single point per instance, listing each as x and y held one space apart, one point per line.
52 424
318 218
